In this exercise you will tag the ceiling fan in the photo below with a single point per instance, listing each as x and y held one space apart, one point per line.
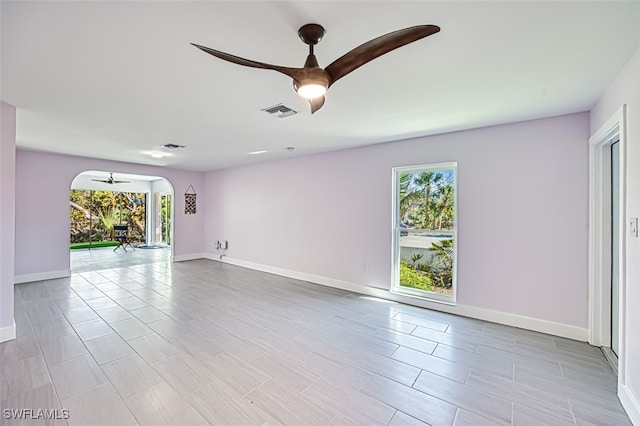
110 180
311 81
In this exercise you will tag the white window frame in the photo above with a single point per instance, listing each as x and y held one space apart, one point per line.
395 240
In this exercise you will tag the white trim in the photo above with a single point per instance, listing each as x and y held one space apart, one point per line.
8 333
185 257
629 403
612 358
529 323
599 221
41 276
599 279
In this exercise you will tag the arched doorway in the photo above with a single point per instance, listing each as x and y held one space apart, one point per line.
103 202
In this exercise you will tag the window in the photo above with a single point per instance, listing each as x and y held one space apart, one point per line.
425 225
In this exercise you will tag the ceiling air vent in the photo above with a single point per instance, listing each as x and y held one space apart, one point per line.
280 111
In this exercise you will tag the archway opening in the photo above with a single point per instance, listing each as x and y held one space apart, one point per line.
118 220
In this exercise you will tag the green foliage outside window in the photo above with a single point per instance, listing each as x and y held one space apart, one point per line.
93 214
427 200
165 210
441 263
439 266
414 279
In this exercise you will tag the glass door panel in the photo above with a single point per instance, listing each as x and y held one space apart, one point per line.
165 211
615 242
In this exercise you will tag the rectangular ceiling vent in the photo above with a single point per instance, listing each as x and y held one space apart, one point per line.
280 111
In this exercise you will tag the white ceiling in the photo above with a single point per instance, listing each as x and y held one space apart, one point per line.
116 80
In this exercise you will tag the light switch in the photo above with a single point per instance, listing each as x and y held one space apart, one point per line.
633 227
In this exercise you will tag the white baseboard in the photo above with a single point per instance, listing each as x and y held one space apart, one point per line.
185 257
41 276
529 323
8 333
630 403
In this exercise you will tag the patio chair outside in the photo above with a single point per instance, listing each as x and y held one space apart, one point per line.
122 236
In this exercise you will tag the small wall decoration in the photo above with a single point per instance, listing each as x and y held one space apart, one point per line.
190 201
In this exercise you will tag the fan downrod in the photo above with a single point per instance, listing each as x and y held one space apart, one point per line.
311 34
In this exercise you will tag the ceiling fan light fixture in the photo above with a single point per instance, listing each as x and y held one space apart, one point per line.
311 81
311 90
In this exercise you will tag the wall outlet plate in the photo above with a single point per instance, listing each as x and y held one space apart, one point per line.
633 227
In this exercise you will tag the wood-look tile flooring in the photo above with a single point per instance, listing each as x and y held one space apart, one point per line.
203 342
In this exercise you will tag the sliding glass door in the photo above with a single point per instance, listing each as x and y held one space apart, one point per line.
93 214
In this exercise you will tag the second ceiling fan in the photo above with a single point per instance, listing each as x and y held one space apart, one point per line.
311 81
110 180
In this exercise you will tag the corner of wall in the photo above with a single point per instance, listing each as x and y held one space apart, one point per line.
7 219
8 333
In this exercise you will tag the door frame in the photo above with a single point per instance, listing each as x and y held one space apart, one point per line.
600 235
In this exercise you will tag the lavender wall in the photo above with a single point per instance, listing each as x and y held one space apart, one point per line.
44 180
625 89
7 217
522 214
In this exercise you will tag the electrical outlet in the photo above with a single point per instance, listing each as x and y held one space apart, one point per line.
633 227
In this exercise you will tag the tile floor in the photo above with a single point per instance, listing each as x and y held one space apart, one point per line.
106 258
203 342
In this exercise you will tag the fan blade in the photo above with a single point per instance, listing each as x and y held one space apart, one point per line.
291 72
99 180
377 47
316 103
120 181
